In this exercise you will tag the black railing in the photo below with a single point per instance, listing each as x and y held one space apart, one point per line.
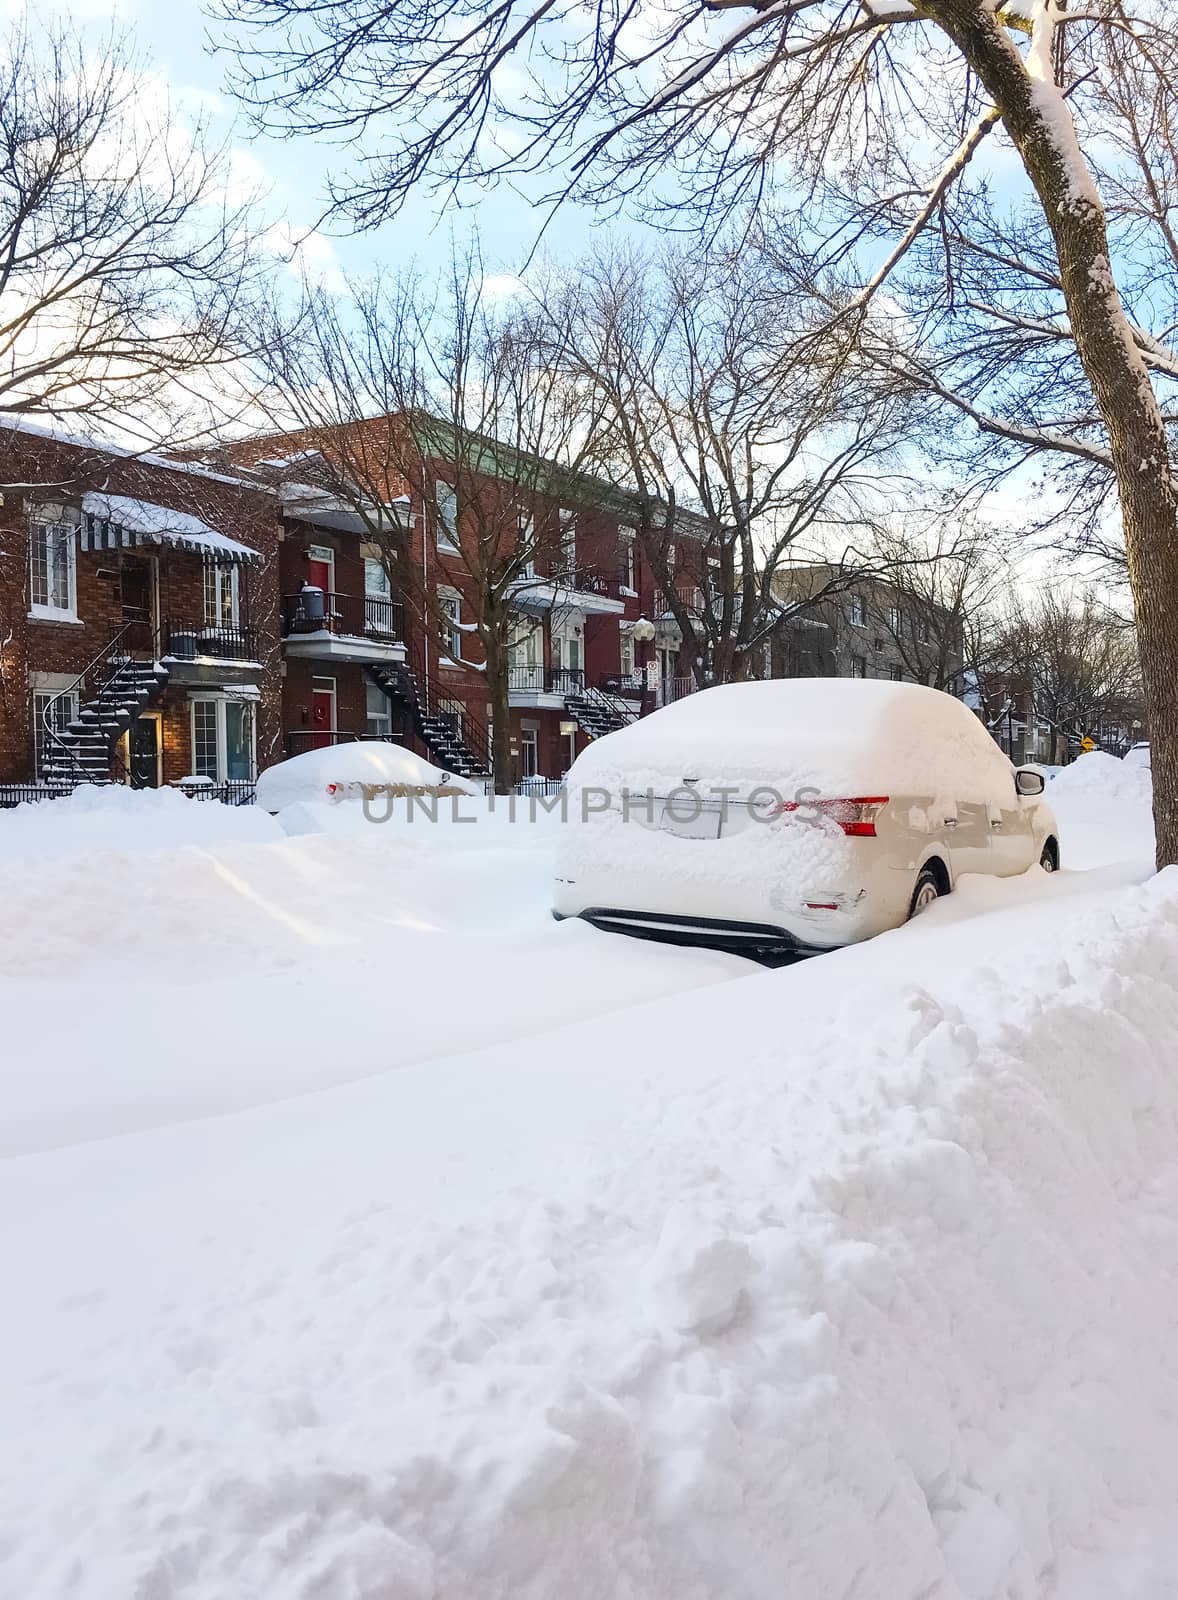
353 615
15 794
232 792
187 641
630 685
546 680
299 740
588 580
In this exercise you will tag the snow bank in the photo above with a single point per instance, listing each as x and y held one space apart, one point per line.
840 737
824 1283
1103 778
112 817
312 777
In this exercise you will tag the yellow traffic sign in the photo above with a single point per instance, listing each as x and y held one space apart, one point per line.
1087 745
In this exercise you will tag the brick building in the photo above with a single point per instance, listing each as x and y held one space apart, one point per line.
137 617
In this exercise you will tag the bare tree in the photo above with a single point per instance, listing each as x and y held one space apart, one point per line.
443 423
125 268
753 462
875 110
1065 660
945 581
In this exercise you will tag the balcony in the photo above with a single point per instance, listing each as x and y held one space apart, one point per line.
300 740
220 654
329 626
589 590
689 596
543 688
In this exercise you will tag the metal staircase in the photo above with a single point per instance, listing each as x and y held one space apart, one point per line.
111 691
597 712
458 746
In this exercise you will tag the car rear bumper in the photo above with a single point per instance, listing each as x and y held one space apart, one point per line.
713 933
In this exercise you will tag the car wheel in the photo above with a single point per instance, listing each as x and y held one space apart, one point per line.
1048 860
928 889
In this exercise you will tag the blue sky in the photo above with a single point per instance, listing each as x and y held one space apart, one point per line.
173 35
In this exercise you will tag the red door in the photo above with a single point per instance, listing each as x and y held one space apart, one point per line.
322 715
319 576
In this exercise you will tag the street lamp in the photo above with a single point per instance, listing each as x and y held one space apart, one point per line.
642 632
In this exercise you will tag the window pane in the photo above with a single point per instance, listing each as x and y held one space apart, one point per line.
38 565
447 502
61 553
239 740
376 579
204 739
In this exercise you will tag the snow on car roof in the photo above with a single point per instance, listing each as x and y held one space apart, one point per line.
839 735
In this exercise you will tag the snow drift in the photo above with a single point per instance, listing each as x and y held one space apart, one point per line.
821 1283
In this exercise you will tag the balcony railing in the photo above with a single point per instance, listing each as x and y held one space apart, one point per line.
674 689
587 580
630 685
299 740
546 680
365 616
225 642
689 595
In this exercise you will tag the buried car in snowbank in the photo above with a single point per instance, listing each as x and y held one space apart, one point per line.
801 814
367 767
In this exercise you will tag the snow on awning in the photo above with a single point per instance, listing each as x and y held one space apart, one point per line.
117 522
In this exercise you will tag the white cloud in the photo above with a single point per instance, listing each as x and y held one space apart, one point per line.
307 252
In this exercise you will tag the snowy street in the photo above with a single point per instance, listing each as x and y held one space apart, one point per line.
369 1236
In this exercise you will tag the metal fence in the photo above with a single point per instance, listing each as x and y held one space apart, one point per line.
236 792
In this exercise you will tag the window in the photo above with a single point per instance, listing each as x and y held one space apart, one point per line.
52 570
858 666
529 751
925 631
895 673
446 497
767 659
627 656
527 547
223 739
378 597
895 620
450 605
670 556
858 611
626 541
221 596
379 722
568 541
62 709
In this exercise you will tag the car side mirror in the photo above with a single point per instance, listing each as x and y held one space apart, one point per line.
1027 780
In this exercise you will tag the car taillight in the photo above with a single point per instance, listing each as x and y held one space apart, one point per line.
855 817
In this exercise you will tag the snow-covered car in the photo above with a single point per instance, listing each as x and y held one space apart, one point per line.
345 771
1137 755
800 815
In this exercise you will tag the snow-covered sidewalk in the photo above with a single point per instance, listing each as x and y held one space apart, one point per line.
857 1279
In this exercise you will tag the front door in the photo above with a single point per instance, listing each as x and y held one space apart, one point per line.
135 597
322 713
320 569
143 742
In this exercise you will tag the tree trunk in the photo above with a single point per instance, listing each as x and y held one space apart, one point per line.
1038 121
502 765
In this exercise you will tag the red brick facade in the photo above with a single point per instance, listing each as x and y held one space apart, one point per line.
303 677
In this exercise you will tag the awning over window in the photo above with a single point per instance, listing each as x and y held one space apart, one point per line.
116 522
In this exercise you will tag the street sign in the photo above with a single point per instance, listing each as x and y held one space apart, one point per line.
1087 745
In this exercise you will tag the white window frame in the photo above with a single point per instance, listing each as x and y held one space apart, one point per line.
446 502
627 540
529 739
42 528
627 655
221 582
856 663
68 712
526 541
896 673
567 520
221 701
382 716
378 587
858 612
447 599
896 620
